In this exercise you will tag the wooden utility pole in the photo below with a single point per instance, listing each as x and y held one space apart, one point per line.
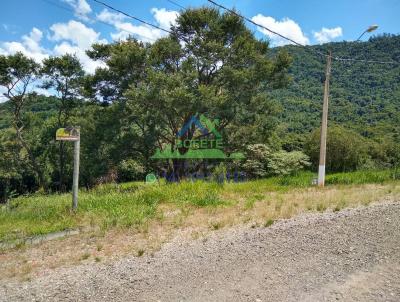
324 124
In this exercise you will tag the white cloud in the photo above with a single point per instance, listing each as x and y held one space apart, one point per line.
76 32
286 27
30 46
76 38
42 91
73 37
165 18
143 32
110 17
326 35
81 9
67 48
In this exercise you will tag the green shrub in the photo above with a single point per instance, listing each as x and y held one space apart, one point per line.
256 164
346 150
262 162
219 173
287 163
129 170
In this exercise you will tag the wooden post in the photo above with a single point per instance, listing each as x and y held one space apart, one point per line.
72 134
324 124
75 182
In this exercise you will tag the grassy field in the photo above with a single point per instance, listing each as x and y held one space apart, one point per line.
134 205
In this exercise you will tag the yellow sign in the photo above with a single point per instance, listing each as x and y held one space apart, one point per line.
67 134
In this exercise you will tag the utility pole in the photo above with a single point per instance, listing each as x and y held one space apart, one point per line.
324 124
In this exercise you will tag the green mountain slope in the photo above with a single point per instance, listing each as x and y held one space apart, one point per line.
41 106
363 97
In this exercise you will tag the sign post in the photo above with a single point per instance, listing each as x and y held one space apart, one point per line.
72 134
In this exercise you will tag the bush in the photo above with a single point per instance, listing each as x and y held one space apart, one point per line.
256 165
129 170
287 163
219 173
262 162
346 150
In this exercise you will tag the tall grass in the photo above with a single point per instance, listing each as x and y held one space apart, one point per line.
35 215
111 205
363 177
133 204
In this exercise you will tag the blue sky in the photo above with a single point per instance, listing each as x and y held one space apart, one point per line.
40 28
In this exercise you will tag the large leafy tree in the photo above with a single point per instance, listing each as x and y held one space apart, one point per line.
18 74
10 164
124 66
211 64
214 65
63 74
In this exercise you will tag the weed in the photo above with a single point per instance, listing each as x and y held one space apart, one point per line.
20 245
278 206
249 204
321 207
85 256
269 222
215 225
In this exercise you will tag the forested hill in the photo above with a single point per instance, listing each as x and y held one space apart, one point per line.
364 97
41 106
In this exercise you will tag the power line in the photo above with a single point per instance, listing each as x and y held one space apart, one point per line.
105 23
264 27
176 4
251 21
295 42
364 61
132 17
231 11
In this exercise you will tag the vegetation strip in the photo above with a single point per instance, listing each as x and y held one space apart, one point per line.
133 205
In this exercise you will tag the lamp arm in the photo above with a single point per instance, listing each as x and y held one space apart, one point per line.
361 35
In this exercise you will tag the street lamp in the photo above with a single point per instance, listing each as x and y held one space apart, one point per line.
368 30
324 123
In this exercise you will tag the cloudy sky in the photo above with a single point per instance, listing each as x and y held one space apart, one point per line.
40 28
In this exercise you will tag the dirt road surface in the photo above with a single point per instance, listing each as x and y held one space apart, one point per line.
351 255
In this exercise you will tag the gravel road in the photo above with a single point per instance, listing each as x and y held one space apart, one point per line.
352 255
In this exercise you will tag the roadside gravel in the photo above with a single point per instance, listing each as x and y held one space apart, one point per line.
351 255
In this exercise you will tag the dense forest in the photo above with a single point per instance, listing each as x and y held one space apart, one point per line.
364 97
268 102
